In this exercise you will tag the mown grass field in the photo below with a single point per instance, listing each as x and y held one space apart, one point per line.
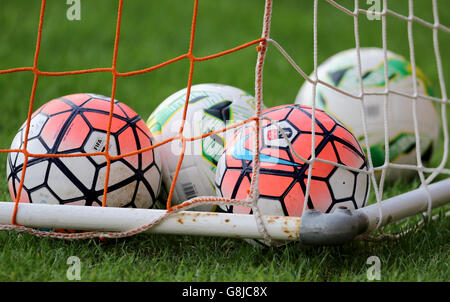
155 31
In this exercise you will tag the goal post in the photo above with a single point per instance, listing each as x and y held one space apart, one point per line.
313 228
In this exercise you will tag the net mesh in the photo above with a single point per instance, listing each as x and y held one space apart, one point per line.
426 174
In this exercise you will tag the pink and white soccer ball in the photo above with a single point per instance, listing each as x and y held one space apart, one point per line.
283 177
77 124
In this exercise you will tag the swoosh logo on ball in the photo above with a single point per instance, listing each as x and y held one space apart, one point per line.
248 155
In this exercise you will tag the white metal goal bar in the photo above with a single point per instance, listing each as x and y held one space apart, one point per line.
314 228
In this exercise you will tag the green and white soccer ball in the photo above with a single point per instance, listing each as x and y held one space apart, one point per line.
341 71
211 107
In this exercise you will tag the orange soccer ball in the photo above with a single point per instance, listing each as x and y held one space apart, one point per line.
283 176
77 124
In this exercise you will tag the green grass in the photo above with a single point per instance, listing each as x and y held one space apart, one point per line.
421 256
154 31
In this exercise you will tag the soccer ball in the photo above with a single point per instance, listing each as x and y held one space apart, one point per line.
77 124
283 176
211 107
341 71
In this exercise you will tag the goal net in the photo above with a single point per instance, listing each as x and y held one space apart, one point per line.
428 189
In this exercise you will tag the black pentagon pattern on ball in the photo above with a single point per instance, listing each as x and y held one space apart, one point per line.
221 111
337 75
90 194
300 173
